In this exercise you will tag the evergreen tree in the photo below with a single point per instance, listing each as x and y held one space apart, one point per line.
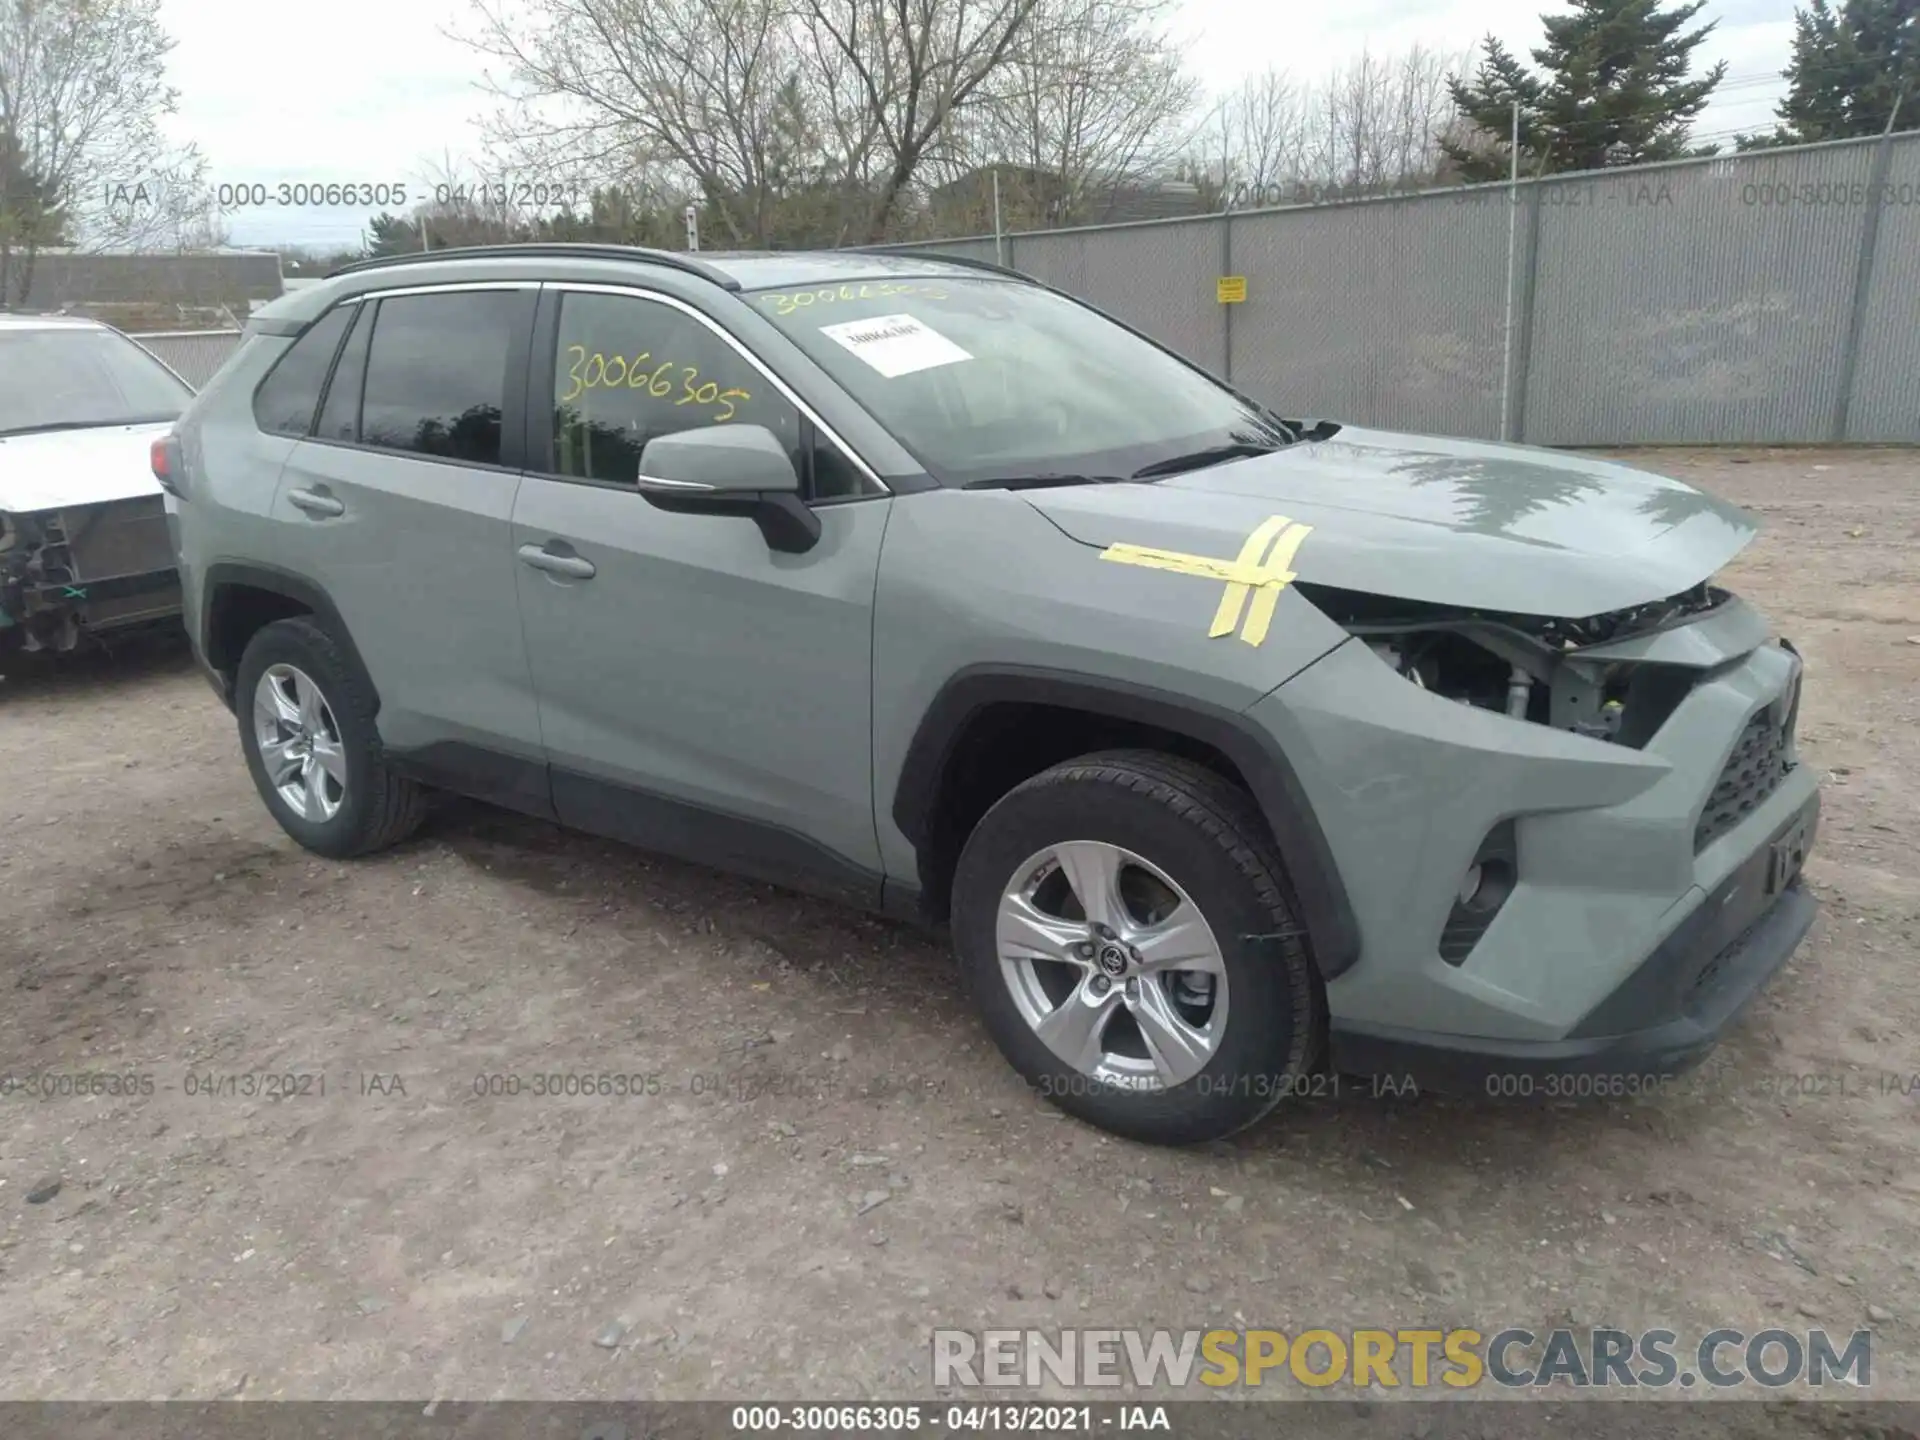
1847 69
1500 80
391 234
30 203
1613 90
33 215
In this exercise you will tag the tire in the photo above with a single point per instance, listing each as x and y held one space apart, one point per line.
1205 838
373 808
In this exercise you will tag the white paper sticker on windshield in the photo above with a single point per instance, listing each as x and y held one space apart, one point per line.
895 344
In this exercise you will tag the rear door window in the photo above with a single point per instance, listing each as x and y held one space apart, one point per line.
436 373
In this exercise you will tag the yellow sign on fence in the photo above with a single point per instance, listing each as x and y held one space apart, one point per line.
1230 289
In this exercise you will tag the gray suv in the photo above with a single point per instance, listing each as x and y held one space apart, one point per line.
1237 750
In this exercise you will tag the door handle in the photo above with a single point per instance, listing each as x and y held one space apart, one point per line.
315 503
574 567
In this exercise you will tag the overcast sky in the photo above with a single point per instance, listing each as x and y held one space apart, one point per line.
378 93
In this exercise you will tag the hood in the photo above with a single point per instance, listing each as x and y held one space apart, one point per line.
1449 522
56 468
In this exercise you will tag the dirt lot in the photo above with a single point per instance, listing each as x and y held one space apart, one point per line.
797 1063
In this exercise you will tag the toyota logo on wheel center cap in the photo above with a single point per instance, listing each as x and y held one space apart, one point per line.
1112 959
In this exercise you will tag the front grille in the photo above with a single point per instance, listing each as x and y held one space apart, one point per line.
1753 772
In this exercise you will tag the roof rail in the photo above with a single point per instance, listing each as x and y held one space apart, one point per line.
545 249
966 260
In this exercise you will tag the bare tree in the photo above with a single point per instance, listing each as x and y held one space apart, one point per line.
1094 94
82 91
1377 122
1251 147
785 117
1370 125
917 66
615 90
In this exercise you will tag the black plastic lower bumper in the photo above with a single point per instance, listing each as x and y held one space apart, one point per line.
1660 1022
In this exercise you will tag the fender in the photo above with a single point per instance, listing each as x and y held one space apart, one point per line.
228 575
1325 909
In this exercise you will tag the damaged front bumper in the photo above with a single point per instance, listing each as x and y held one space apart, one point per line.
1659 1022
85 568
1648 890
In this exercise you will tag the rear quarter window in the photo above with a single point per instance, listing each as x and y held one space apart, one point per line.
288 398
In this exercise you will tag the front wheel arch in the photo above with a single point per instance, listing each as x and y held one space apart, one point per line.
921 805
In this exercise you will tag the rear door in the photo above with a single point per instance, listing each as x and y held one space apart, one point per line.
398 504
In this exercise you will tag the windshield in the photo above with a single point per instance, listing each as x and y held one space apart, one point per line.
993 380
74 378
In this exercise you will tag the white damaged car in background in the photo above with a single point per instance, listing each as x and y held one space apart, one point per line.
83 529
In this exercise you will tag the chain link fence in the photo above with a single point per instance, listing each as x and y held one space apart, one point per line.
1770 297
193 355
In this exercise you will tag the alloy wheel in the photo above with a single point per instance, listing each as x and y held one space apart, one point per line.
299 743
1112 965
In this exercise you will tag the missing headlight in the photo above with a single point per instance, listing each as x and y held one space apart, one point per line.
1455 666
1528 667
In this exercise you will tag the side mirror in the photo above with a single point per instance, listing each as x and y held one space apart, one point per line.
731 470
719 460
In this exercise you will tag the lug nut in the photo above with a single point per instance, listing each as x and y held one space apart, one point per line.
1101 985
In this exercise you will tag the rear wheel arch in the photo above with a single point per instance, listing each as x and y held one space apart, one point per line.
242 600
991 728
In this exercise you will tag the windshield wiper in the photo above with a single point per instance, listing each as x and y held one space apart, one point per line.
1200 459
1041 482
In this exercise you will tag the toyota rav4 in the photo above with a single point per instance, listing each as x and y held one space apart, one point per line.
1233 747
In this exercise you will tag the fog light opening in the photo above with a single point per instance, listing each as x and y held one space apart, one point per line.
1485 885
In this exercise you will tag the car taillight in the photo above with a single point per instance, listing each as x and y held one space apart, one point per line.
165 459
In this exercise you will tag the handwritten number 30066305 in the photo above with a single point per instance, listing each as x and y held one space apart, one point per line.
616 372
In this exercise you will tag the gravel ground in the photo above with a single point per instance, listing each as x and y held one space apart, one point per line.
820 1156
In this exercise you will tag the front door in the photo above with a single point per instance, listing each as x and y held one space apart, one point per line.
699 693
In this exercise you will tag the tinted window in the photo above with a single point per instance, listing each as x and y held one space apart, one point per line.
340 414
437 374
833 474
629 370
987 378
285 402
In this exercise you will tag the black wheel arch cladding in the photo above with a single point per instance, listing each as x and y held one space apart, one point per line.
225 578
1332 929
